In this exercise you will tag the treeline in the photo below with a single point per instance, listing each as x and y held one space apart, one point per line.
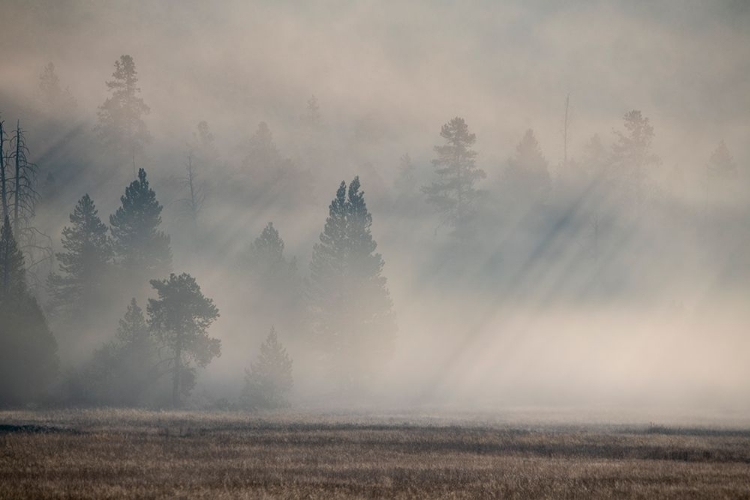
597 224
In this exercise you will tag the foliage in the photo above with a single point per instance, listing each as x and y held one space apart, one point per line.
527 173
84 265
721 165
121 126
453 194
269 380
179 319
28 350
350 305
139 245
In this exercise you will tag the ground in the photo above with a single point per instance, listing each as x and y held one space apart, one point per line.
141 454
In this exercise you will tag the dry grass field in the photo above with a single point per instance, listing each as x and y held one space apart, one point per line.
139 454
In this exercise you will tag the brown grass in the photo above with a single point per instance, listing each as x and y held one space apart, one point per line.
138 454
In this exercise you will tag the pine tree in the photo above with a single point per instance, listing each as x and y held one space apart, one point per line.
349 301
527 175
85 264
138 244
267 261
51 95
406 182
121 126
180 318
28 350
12 272
453 194
632 155
262 155
269 380
312 117
721 164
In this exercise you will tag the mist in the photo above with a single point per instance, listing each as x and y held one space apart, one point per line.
588 288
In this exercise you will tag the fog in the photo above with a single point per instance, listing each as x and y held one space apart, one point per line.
580 297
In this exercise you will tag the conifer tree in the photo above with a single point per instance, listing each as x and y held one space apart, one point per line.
453 194
349 301
179 319
527 175
269 380
312 117
632 154
406 181
28 350
267 261
123 371
51 94
85 263
721 164
121 126
140 247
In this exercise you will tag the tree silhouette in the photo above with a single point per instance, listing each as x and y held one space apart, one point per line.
122 372
312 117
51 95
121 126
632 155
527 175
267 261
453 194
140 247
84 265
180 318
28 350
4 173
269 380
350 305
721 165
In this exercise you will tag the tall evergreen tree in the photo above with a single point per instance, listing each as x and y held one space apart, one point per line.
28 350
349 301
85 263
262 154
312 117
121 126
527 175
51 94
180 318
267 261
269 380
124 370
632 154
721 165
140 247
453 194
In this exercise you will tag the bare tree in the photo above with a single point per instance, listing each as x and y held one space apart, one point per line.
19 203
192 204
3 173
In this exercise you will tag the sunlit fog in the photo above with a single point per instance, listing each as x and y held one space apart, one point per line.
397 205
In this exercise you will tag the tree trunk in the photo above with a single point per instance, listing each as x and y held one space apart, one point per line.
17 185
3 178
177 374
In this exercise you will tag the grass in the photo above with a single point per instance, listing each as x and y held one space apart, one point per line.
140 454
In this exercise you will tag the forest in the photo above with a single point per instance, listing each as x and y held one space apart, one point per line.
231 259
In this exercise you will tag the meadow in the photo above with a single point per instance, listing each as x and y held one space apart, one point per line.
191 454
